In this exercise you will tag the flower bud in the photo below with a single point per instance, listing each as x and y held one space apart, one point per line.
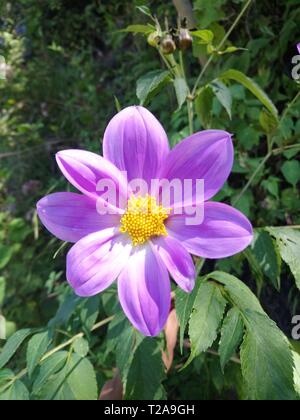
153 39
185 39
168 45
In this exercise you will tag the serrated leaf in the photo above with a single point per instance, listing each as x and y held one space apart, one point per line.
82 379
231 336
296 358
17 392
81 346
146 372
203 106
49 367
75 381
37 347
239 293
288 242
150 84
181 90
206 317
12 345
184 303
223 95
253 87
267 363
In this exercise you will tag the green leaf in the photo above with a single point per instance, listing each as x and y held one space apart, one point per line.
150 84
82 379
288 242
89 312
6 375
17 392
49 367
12 345
206 36
206 317
146 372
75 381
181 90
2 290
252 87
81 346
267 363
6 253
203 106
66 310
291 171
223 95
37 347
240 295
296 358
267 255
145 10
184 303
231 336
139 29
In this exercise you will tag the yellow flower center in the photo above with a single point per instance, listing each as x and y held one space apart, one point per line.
143 219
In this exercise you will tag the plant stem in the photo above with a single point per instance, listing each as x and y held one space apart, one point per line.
259 167
262 163
227 35
292 103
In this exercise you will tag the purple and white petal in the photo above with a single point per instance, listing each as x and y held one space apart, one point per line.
145 291
177 260
225 231
70 216
136 143
95 262
93 175
208 156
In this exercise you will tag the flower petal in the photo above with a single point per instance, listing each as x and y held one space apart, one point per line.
84 170
70 217
206 155
96 261
145 291
177 260
136 143
224 232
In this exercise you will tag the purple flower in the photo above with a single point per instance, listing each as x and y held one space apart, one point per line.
142 248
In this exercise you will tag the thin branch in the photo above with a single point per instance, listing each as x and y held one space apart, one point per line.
227 35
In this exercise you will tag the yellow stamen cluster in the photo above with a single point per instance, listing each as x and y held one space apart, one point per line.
143 219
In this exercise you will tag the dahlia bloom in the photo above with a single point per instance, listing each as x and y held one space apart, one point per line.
140 243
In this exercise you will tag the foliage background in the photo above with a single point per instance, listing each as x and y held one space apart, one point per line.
67 62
